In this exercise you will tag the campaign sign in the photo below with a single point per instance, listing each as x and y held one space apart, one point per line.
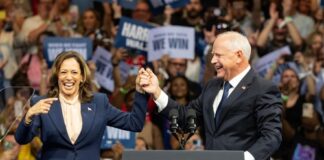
53 46
113 135
132 34
104 72
128 4
157 6
176 3
177 41
264 63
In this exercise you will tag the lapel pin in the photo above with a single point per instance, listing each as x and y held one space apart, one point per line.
243 87
89 109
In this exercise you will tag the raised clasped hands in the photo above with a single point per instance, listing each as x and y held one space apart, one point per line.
147 81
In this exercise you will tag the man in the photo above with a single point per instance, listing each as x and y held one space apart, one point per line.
178 66
36 25
142 12
247 119
190 16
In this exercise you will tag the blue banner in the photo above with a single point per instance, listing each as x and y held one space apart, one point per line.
157 6
132 34
128 4
176 3
53 46
112 135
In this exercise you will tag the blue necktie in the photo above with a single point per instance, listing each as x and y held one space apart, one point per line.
227 86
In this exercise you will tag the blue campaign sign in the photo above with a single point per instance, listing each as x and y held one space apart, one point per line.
176 3
112 135
53 46
132 34
128 4
157 6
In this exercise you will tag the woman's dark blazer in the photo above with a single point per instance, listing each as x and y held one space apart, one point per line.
96 114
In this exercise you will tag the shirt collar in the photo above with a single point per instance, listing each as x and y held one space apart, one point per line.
237 79
73 101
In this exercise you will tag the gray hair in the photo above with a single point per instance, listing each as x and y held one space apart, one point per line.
235 41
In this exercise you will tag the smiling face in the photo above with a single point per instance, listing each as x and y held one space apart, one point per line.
224 61
69 78
231 52
179 87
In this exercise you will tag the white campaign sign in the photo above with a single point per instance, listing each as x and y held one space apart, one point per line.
264 63
102 58
178 42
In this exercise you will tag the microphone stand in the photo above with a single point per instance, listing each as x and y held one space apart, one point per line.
182 138
190 128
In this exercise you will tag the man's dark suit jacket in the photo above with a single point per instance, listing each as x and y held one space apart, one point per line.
95 116
250 120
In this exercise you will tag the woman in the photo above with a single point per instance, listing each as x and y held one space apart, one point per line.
72 119
293 102
90 26
179 89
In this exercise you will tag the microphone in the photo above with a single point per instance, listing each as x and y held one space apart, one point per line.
191 121
173 117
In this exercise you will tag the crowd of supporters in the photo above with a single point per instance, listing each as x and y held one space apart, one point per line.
270 25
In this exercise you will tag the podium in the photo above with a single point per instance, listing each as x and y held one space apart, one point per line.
183 155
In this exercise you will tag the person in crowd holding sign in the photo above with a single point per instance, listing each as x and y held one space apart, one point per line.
239 110
72 118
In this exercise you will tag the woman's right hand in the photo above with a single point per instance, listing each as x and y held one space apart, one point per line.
41 107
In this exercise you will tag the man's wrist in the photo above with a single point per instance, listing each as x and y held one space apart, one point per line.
161 101
157 94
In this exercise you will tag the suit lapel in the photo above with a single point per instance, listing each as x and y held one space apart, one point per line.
238 91
88 112
56 116
210 104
